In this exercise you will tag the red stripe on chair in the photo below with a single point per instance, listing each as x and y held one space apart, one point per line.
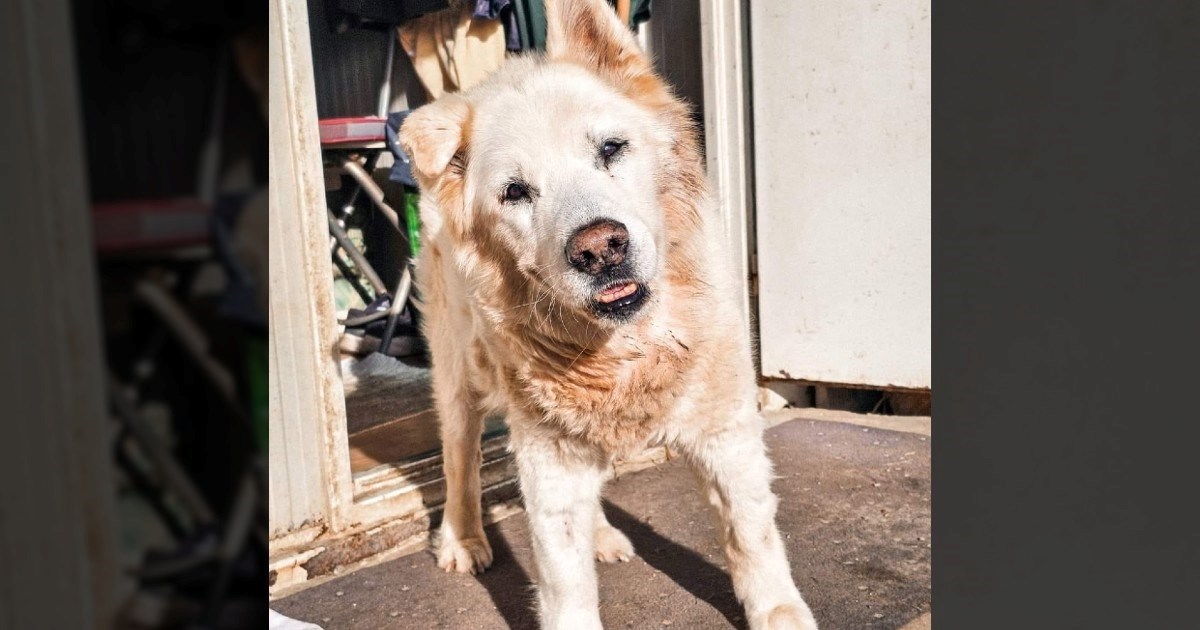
353 130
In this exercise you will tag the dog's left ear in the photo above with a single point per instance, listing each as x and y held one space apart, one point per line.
589 33
434 133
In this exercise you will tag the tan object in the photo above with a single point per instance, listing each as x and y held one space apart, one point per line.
451 50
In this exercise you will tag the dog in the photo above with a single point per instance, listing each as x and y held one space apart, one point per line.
572 277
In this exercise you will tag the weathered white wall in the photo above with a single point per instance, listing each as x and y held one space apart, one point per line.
841 110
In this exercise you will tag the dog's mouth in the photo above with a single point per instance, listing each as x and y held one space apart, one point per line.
620 299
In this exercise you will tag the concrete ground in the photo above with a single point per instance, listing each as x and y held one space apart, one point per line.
854 509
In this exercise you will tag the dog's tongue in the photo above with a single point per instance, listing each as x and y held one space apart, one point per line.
612 294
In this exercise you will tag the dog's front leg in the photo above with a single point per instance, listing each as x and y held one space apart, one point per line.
561 488
462 545
736 474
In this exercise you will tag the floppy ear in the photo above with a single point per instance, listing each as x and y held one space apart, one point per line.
589 33
434 133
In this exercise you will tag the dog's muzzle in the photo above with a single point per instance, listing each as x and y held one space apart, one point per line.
600 249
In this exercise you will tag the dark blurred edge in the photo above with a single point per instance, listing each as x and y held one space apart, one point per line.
1066 214
141 505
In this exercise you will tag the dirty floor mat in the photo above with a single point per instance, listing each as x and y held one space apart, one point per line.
854 509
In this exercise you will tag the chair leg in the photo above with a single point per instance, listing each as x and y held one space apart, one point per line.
360 261
398 301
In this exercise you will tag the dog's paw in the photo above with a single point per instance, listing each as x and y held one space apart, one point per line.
612 545
469 555
785 617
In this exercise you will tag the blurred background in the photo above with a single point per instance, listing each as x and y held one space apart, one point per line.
173 102
147 120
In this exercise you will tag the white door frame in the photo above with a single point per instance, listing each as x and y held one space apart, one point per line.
728 148
309 456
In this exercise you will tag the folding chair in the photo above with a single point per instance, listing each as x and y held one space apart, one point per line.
353 146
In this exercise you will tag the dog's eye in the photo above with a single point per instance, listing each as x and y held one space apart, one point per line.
610 148
515 191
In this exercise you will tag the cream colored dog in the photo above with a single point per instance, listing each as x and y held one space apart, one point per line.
573 278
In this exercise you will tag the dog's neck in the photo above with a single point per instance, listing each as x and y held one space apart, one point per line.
573 373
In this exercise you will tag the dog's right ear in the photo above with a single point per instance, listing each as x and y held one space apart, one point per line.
589 33
434 133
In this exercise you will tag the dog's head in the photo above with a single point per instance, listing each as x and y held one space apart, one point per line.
559 165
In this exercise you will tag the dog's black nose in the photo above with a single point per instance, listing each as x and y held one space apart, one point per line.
598 246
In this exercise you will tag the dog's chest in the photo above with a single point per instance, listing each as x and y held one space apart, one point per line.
614 400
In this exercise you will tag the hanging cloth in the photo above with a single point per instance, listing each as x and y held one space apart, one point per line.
501 10
452 50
